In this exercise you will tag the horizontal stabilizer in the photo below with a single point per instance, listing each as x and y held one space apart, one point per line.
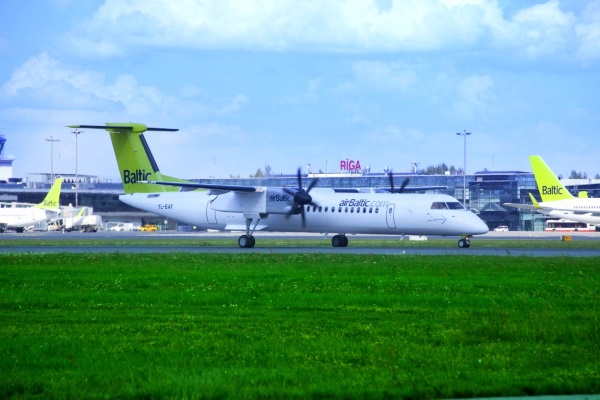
130 127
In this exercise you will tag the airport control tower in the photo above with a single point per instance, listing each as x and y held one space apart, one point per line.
6 169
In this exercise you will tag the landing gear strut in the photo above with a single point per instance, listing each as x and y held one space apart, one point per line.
247 241
339 241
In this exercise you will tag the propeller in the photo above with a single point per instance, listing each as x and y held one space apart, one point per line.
301 197
402 186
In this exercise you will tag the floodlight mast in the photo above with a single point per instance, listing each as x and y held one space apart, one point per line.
464 133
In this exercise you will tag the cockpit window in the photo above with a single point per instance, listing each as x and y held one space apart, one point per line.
451 205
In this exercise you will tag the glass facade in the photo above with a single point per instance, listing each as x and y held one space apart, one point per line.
485 193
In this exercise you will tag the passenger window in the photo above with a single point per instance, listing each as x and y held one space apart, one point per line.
376 210
370 210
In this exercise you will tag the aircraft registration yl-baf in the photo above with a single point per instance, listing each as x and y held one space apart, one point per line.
280 209
19 216
556 199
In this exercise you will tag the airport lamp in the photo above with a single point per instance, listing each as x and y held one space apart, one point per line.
52 140
76 133
464 133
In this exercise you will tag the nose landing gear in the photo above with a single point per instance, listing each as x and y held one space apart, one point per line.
464 243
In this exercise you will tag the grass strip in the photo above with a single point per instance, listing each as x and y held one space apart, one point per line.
90 240
300 325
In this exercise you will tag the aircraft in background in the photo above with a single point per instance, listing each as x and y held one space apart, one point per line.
18 216
280 209
556 201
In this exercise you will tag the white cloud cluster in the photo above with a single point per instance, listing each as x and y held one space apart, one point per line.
45 77
338 25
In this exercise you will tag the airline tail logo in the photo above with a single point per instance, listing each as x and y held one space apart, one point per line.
551 190
135 176
50 203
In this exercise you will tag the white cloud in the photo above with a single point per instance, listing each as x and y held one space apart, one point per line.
41 72
588 32
336 25
47 81
474 94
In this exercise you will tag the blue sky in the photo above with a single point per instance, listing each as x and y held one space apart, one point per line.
286 83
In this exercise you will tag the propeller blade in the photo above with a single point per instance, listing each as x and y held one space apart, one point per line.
404 183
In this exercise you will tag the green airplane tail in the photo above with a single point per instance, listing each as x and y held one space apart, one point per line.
134 158
550 187
52 199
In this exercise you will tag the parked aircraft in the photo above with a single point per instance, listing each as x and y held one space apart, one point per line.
18 216
280 209
556 200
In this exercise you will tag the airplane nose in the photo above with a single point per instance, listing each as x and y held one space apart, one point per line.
478 226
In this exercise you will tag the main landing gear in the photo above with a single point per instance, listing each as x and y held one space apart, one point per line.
339 241
247 241
464 243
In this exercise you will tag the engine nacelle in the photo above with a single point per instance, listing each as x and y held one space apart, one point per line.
271 201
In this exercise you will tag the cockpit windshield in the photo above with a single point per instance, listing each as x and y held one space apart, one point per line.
442 205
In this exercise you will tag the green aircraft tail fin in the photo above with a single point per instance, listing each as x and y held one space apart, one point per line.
52 199
134 158
534 201
550 187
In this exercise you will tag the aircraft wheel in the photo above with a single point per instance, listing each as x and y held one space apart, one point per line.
337 241
464 243
246 241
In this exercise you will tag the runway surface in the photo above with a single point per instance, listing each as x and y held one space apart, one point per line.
374 249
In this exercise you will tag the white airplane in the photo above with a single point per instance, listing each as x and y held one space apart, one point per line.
556 200
280 209
18 216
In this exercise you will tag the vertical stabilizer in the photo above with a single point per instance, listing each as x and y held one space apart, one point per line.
550 187
134 158
52 199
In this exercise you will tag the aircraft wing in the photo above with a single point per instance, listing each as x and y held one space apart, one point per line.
529 207
214 189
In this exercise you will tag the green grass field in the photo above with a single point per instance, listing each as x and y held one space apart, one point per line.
306 326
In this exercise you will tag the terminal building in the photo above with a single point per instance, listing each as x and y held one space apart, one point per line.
485 193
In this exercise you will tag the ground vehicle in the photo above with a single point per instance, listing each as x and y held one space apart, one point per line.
501 228
149 228
565 225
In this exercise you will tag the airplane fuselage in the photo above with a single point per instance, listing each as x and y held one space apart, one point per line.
21 217
269 210
576 209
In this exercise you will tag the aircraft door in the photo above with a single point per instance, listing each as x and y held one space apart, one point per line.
211 215
389 216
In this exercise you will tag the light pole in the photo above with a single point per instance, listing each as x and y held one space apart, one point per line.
76 133
464 133
52 140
